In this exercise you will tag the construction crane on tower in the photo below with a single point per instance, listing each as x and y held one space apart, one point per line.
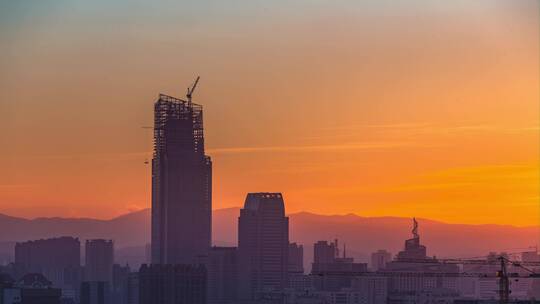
191 89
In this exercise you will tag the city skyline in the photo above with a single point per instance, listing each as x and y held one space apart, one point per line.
455 141
385 151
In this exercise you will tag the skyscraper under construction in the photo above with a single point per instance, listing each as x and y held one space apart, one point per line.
181 183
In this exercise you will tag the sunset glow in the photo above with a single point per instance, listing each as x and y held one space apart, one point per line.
381 108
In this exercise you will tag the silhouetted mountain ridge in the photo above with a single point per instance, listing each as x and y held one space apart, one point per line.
362 235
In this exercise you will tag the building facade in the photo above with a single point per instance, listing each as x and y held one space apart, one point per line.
95 293
222 268
379 259
296 258
263 242
119 286
34 288
172 284
58 259
414 274
324 252
99 260
181 183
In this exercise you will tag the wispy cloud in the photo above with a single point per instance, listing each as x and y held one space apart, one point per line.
312 148
485 177
434 128
233 150
426 186
96 156
376 126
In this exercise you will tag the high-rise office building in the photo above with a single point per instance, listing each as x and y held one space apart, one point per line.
324 252
263 242
133 288
181 183
119 286
99 260
330 271
379 259
222 268
58 259
296 277
147 254
296 258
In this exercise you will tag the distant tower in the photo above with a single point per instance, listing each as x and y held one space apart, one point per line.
58 259
324 252
379 259
181 183
296 258
99 260
263 242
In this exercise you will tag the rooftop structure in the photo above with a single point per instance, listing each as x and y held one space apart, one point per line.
413 249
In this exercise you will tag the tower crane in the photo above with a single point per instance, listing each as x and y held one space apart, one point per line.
502 274
191 89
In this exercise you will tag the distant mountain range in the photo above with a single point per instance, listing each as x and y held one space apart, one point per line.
362 235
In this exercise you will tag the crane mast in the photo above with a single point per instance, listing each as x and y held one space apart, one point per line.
504 282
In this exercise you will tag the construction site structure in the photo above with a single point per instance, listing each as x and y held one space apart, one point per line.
181 182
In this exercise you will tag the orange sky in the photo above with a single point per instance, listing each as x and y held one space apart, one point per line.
405 108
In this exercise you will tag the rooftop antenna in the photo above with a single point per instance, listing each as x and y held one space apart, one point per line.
191 89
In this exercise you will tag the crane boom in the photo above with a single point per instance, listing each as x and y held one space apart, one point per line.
191 89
